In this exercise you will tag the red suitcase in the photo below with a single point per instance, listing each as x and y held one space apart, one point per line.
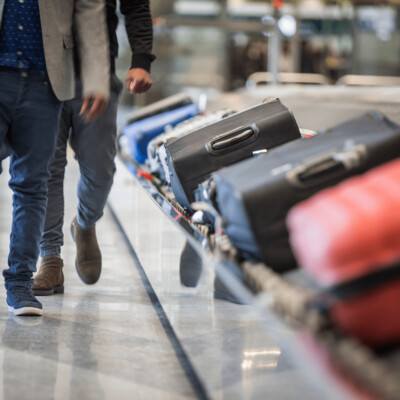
348 239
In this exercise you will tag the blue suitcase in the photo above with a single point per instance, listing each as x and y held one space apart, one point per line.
139 134
168 104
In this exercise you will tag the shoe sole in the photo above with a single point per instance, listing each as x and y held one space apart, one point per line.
50 292
86 282
25 311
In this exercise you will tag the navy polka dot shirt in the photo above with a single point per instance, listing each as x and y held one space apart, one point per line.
21 43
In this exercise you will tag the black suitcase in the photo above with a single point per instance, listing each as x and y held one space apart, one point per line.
170 103
192 159
254 196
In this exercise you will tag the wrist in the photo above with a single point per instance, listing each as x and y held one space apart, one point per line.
142 61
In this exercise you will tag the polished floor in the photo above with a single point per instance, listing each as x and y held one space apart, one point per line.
95 342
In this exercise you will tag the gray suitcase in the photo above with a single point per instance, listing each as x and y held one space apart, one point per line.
254 196
157 156
193 158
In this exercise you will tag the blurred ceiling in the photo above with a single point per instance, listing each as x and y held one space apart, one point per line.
364 2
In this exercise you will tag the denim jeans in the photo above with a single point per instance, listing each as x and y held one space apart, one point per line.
5 151
94 145
29 117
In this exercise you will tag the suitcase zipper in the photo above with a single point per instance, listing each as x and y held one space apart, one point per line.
355 287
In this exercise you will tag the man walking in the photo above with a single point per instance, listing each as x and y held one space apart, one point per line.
36 75
95 150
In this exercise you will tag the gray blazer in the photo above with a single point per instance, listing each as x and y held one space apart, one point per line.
58 43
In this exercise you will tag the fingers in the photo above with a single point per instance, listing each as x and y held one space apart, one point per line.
138 81
147 85
139 85
93 107
85 105
98 107
133 84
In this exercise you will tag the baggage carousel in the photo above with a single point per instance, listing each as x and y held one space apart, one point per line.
266 347
173 316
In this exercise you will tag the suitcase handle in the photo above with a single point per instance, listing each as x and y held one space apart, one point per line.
231 140
327 167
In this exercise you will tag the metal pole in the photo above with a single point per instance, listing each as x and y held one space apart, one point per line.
354 53
226 63
296 41
274 48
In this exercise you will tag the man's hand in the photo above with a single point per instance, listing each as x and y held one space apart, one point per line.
138 80
93 106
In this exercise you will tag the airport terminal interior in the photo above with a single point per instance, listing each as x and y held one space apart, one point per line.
183 308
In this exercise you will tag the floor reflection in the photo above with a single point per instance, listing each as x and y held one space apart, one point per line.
99 342
27 340
80 341
261 358
190 266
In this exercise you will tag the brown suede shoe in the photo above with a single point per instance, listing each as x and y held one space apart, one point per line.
50 278
88 255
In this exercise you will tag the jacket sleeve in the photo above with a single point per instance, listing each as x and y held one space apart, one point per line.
91 28
139 28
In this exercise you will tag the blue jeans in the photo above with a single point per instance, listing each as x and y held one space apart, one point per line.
29 116
94 145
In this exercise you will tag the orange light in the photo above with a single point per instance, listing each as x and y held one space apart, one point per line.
277 4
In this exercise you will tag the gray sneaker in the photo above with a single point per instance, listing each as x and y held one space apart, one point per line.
22 302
